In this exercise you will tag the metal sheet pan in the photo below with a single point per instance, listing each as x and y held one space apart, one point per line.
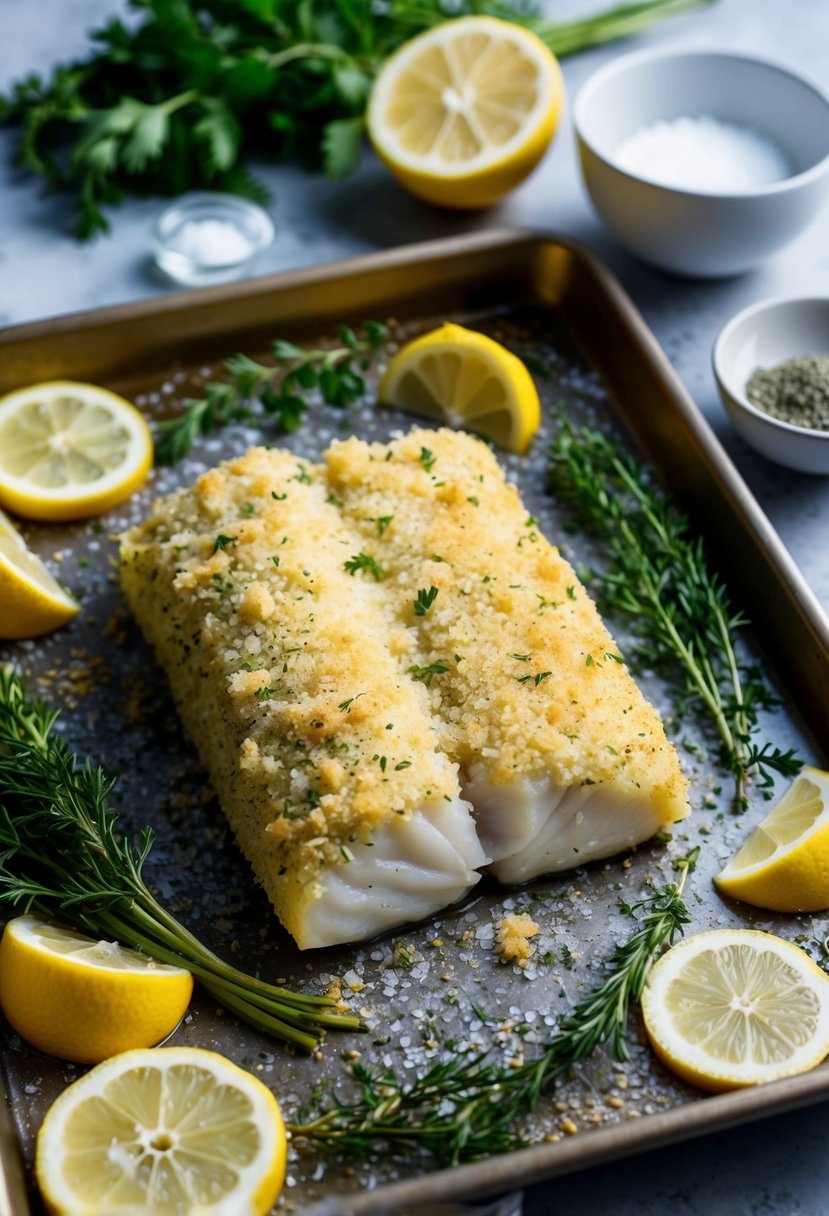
551 296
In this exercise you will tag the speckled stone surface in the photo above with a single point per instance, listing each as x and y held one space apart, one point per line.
776 1167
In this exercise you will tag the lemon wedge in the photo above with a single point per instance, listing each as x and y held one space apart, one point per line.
69 450
175 1131
85 1000
31 601
734 1007
462 113
784 864
461 378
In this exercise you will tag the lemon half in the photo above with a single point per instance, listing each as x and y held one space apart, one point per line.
461 378
784 864
70 450
462 113
175 1131
32 602
734 1007
85 1000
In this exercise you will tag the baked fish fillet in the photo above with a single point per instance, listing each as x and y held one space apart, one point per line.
559 753
290 675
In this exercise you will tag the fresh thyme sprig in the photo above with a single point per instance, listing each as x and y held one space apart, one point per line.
658 575
179 95
61 855
279 391
466 1108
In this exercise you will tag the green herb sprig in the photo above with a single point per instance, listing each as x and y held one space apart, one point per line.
61 855
176 99
658 576
279 391
394 1115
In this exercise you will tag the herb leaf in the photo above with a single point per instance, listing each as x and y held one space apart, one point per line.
659 577
392 1114
276 391
176 100
61 855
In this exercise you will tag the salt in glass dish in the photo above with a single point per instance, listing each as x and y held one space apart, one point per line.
764 336
206 237
701 232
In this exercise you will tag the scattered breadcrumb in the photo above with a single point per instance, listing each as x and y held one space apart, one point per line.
512 940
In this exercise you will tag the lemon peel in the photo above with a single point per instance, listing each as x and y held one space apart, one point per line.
176 1131
84 1000
784 863
735 1007
461 378
462 113
70 450
32 602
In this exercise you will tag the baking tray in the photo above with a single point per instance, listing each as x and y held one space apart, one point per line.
541 294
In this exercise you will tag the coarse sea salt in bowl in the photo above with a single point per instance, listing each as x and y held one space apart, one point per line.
210 237
703 162
789 339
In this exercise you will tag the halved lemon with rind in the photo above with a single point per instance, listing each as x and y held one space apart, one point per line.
461 378
32 602
84 1000
175 1131
464 112
735 1007
70 450
784 864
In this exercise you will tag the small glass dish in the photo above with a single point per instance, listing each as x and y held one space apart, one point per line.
207 237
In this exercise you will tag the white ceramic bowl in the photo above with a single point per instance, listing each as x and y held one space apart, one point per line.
694 232
765 335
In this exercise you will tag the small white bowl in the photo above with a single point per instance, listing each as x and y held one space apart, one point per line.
206 237
701 233
764 336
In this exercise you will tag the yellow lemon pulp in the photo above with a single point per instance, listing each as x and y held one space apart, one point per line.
70 450
784 864
462 113
461 378
31 601
174 1131
85 1000
734 1007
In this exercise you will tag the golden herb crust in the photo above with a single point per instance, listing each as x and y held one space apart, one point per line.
532 682
284 668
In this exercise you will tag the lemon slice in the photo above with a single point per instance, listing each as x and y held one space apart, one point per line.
68 451
784 864
463 113
174 1131
734 1007
461 378
31 601
84 1000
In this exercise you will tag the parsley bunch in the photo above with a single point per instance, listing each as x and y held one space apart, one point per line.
176 99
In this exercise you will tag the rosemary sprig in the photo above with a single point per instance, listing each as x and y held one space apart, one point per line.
279 391
659 577
61 855
465 1108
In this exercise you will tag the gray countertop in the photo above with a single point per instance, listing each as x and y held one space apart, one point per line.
777 1167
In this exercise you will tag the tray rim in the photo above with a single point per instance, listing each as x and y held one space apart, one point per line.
694 1118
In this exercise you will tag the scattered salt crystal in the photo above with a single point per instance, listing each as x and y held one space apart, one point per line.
702 153
212 242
